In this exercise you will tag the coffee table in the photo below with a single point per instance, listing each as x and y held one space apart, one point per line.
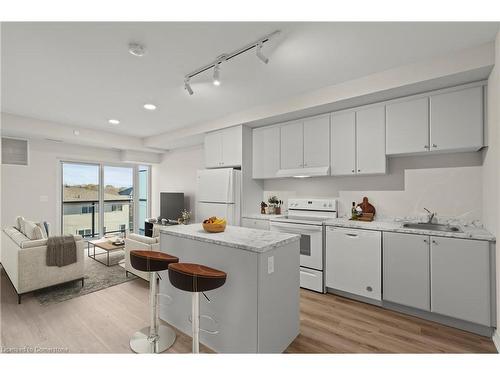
105 245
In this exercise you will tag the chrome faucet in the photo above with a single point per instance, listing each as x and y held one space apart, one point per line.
430 216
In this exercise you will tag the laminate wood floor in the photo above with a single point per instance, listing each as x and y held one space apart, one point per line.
102 322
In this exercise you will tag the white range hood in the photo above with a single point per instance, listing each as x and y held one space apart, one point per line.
304 172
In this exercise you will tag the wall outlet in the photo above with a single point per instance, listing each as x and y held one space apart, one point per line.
270 264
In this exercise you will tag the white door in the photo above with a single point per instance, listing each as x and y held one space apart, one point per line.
354 261
231 147
266 152
213 150
343 143
317 142
216 185
292 146
456 120
370 140
226 211
407 126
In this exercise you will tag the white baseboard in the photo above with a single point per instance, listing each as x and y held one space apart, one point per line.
496 339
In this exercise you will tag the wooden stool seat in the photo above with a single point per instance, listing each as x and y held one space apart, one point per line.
193 277
151 261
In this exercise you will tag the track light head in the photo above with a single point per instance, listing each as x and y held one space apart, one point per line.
258 52
216 80
187 86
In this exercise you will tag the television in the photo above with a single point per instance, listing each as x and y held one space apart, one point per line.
171 205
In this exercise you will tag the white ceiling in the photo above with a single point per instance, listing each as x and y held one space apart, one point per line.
81 74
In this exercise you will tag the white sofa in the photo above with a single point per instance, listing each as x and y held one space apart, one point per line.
25 263
138 242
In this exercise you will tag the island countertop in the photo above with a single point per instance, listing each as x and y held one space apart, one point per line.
255 240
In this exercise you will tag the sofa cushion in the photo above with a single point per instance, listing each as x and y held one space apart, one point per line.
143 239
16 236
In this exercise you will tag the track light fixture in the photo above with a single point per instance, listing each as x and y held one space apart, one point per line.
216 80
187 86
226 57
258 52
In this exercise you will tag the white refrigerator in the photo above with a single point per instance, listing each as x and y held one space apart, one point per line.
219 194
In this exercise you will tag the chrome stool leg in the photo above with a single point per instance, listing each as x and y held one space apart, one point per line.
195 316
155 338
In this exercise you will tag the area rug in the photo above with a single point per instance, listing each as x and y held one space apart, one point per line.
97 277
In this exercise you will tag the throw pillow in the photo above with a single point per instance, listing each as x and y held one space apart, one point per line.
18 222
22 225
43 230
32 231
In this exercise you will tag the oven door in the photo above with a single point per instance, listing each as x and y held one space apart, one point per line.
311 242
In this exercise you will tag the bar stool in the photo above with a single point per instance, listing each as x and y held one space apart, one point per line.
195 278
155 338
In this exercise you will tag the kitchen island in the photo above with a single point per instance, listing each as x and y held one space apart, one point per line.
257 309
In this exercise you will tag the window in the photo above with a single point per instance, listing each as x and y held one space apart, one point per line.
86 188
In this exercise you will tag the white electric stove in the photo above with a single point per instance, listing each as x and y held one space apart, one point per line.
306 217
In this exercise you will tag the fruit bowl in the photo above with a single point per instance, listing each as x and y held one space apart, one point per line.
214 225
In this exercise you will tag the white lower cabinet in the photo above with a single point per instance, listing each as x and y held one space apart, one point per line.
461 279
353 261
255 223
406 273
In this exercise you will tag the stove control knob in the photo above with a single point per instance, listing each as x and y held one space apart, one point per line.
329 205
324 204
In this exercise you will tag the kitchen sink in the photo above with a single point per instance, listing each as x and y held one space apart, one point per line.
430 226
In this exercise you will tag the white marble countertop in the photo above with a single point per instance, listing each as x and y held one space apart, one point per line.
469 231
255 240
260 216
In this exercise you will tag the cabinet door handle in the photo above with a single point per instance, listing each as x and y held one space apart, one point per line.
352 171
434 242
434 145
351 235
359 170
427 147
426 241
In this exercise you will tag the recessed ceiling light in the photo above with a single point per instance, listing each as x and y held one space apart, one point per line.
114 121
149 107
76 132
136 49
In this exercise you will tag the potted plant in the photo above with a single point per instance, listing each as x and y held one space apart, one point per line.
273 204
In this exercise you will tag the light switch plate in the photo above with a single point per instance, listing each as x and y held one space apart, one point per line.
270 264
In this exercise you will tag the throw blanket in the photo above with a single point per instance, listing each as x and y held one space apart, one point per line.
61 251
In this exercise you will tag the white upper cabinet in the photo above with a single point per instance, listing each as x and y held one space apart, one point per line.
213 150
343 143
292 146
317 141
223 148
407 126
265 152
456 120
358 142
370 141
232 147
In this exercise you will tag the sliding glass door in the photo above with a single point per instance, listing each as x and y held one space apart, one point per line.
118 199
80 199
120 190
